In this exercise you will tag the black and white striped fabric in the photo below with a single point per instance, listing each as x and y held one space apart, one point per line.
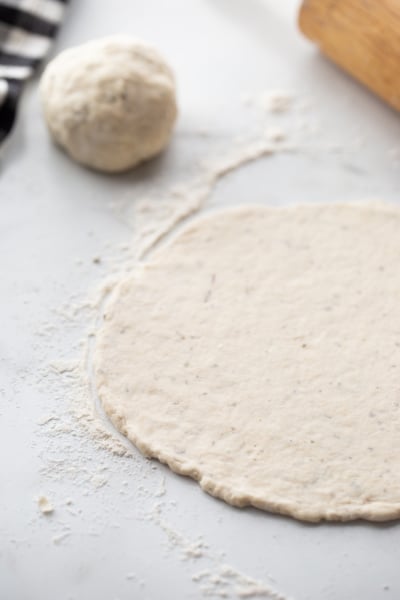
27 28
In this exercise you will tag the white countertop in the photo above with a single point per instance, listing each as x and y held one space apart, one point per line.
55 218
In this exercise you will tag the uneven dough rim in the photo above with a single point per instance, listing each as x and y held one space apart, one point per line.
372 511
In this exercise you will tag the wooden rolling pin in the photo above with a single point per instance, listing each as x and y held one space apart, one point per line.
361 36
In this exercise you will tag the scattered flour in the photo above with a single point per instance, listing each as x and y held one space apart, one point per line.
276 101
98 481
272 101
275 134
45 506
80 444
189 549
58 539
219 580
228 582
46 419
161 491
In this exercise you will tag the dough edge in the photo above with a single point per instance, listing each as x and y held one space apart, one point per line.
373 511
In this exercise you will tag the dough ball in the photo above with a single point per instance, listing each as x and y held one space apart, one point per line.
109 102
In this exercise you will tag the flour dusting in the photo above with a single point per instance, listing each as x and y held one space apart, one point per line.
45 505
81 445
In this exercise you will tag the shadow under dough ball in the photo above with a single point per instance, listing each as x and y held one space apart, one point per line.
110 103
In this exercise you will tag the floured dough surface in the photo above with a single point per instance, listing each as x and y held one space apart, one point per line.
259 353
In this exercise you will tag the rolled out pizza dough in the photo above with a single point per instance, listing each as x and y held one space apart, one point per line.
259 353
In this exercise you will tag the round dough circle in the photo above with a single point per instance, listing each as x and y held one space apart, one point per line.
109 102
259 353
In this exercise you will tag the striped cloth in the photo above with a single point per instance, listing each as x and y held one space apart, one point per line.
27 28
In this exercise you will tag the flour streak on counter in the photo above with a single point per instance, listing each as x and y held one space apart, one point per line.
80 445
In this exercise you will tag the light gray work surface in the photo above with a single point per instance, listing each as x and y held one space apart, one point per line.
55 217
